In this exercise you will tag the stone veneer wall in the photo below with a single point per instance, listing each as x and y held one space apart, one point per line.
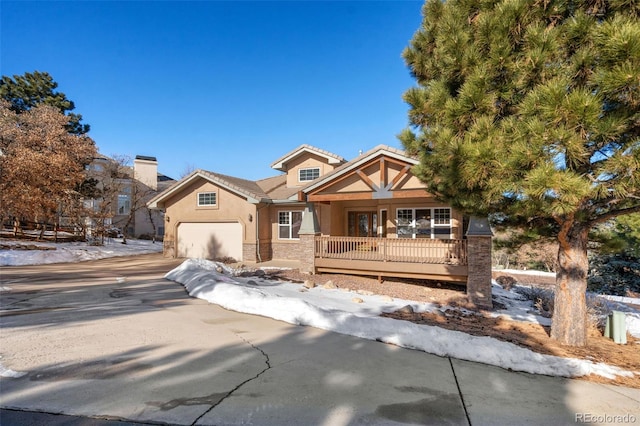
168 249
306 254
249 252
479 279
285 250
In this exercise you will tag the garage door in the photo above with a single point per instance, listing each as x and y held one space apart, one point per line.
210 240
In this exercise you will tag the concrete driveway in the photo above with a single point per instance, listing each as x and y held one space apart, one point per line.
111 341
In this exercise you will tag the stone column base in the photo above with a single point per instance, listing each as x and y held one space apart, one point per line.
306 253
479 278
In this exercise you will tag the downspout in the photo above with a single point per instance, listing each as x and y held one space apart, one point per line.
258 256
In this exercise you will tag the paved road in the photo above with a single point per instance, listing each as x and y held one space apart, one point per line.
111 342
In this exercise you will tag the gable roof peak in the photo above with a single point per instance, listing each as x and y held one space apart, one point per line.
387 148
361 159
280 163
247 189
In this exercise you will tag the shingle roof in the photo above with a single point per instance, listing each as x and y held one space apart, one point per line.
246 187
272 183
274 189
164 178
333 158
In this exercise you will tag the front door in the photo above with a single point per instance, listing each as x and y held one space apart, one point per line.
363 224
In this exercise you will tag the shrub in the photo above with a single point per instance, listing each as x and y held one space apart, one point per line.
226 260
506 282
597 308
597 311
542 299
617 274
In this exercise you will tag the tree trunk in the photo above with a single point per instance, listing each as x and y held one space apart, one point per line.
153 224
569 323
43 228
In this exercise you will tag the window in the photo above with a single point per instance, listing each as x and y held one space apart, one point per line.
92 204
124 203
124 200
305 175
207 199
289 225
442 223
405 223
424 223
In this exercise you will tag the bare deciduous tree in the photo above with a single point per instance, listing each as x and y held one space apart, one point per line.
41 163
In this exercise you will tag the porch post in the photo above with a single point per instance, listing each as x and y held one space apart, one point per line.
479 238
307 233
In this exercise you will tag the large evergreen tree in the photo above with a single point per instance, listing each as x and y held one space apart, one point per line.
531 108
26 91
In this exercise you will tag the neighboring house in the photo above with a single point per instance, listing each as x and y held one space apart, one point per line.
123 193
367 216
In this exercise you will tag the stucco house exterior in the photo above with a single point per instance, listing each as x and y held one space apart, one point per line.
368 216
122 195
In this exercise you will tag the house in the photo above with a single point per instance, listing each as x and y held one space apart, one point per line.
122 192
369 216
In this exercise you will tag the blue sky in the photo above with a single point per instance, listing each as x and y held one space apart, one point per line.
223 86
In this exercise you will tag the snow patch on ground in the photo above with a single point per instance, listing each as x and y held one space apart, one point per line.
73 252
335 310
8 373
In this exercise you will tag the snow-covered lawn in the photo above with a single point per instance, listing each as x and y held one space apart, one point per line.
72 252
341 311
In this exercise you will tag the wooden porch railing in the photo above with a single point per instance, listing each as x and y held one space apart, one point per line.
400 250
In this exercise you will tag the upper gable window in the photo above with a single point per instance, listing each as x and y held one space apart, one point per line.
307 175
207 199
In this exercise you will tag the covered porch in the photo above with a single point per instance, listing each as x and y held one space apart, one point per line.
373 217
467 260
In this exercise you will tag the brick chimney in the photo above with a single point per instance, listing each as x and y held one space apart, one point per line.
145 170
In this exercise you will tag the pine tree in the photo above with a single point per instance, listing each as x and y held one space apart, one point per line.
531 108
26 91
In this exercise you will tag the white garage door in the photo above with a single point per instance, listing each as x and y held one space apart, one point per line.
210 240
